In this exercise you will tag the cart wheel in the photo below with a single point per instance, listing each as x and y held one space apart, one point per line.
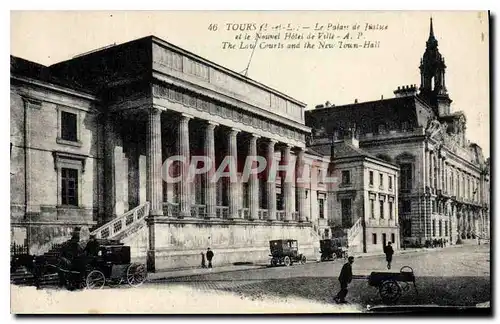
303 260
390 291
406 267
274 262
136 274
287 261
95 280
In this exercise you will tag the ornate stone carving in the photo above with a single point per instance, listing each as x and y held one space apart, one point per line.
202 104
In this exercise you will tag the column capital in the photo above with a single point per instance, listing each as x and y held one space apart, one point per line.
185 116
155 110
255 135
271 141
212 123
234 131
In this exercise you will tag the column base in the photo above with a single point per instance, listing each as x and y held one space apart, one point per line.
211 215
157 212
184 214
150 261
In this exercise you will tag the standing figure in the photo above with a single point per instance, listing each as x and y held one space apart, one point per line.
345 279
203 264
388 254
210 256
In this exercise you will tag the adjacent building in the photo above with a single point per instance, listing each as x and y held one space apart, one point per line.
362 204
444 179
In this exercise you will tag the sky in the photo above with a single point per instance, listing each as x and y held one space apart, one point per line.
312 76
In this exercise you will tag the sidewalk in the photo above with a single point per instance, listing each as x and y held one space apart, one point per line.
177 273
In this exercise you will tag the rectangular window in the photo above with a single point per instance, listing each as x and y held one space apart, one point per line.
374 238
406 176
406 206
433 206
393 238
69 187
433 228
372 208
346 212
384 239
346 177
321 205
69 126
381 180
440 228
390 210
381 209
445 228
371 178
390 182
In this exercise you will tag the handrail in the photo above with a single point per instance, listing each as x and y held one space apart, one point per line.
122 223
354 230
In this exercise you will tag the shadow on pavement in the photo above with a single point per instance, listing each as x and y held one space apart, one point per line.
444 291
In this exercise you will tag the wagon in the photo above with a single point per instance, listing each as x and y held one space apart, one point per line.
111 266
285 252
331 249
391 284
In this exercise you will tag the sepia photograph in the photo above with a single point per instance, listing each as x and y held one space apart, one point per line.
250 162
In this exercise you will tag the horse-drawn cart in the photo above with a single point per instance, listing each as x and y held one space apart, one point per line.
391 285
111 266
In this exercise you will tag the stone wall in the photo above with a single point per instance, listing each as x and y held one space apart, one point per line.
178 244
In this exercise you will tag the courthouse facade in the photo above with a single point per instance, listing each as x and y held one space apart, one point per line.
443 178
89 137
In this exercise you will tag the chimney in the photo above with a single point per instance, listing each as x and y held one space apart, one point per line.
319 106
405 91
355 101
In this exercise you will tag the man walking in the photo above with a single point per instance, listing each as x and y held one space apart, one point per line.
345 279
210 256
388 254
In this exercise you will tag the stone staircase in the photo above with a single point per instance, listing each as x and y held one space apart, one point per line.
121 226
354 238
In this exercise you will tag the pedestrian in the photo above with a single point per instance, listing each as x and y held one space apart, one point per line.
203 264
210 256
388 250
92 247
345 279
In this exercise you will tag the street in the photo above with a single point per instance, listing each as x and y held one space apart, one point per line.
450 276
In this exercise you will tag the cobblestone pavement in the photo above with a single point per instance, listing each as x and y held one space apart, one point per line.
449 276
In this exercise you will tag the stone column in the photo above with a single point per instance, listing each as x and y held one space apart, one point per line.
300 170
154 191
286 186
431 170
183 150
210 194
427 168
253 180
271 181
234 189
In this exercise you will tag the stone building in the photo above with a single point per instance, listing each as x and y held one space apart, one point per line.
443 177
89 137
362 205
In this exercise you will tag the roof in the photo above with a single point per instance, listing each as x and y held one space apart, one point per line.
347 150
343 150
311 151
366 115
33 70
